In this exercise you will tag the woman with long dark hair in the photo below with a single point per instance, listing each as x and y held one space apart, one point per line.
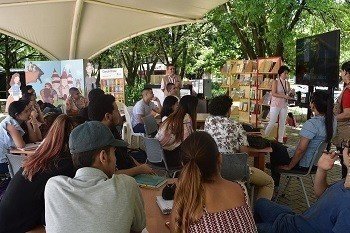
204 201
177 127
16 130
22 206
170 104
342 113
316 130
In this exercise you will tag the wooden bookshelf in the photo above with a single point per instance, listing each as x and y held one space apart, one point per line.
246 83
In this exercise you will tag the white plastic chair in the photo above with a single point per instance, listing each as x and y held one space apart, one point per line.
130 135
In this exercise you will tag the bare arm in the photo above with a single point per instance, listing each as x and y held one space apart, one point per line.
140 169
299 153
344 116
324 164
16 136
33 131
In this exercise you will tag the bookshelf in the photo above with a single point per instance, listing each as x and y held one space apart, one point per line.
247 82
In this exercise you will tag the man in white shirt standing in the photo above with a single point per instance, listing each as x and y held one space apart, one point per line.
95 200
143 108
171 77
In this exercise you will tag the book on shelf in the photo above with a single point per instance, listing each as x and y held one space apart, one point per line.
149 181
165 205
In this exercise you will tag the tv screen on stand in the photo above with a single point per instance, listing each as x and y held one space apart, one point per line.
317 60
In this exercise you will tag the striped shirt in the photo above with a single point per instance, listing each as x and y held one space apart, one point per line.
238 219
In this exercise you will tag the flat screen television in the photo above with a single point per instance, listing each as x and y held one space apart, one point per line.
317 60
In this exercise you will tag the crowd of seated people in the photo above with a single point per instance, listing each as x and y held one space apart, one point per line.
22 206
83 170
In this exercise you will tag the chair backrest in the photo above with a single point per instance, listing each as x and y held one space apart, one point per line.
317 154
15 163
235 167
154 150
151 126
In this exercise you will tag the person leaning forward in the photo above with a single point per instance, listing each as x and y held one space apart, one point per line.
96 199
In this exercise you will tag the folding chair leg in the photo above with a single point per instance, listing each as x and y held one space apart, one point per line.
280 192
252 192
302 185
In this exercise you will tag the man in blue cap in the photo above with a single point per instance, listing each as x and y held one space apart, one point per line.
95 200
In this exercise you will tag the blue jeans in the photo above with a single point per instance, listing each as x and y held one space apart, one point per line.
271 217
139 128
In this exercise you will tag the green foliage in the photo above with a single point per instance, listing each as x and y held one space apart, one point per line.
217 90
133 93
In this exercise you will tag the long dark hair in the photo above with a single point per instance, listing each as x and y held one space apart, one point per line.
168 104
200 157
55 143
324 105
174 123
17 107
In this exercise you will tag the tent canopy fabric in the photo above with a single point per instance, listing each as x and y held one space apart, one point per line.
70 29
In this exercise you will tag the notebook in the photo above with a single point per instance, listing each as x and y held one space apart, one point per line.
164 205
149 181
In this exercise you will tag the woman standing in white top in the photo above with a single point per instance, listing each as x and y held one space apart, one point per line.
279 102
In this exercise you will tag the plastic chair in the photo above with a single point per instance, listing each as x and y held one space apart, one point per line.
301 174
14 163
151 126
235 167
155 155
130 135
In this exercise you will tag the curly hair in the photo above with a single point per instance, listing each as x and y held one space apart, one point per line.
220 105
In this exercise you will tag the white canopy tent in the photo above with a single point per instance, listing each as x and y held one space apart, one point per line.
70 29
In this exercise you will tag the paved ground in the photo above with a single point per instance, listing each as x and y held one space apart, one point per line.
294 196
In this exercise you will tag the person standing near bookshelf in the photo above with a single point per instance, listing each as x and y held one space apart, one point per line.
279 102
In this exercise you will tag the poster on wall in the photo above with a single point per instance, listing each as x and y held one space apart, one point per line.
51 80
90 77
16 82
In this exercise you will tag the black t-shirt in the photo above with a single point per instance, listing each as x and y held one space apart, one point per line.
124 160
22 207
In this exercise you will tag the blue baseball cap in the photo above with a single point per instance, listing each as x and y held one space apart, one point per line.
92 135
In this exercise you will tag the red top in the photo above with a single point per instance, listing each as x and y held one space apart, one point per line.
345 102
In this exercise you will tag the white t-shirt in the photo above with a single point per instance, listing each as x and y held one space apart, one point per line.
91 202
141 109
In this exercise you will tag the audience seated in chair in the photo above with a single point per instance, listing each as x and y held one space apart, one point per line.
330 213
22 206
170 104
204 201
171 90
17 129
319 128
176 128
231 138
103 108
143 108
96 199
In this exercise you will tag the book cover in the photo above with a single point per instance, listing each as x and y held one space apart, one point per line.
150 181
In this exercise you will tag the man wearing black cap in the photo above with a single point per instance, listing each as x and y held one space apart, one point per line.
95 200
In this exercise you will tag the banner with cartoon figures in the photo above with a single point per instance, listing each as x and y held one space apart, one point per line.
51 80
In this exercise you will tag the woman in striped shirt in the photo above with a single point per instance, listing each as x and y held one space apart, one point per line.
204 201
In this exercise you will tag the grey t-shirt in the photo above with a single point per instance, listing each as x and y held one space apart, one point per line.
141 109
91 202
